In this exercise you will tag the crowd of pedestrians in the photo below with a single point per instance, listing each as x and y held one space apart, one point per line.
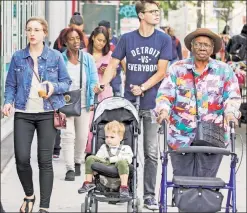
153 68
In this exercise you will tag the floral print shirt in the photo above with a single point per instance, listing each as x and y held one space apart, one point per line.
217 92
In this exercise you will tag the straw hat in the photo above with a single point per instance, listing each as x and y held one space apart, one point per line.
203 32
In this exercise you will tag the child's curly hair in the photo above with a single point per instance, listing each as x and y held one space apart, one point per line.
116 127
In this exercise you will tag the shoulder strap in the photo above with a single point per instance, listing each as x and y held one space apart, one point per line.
81 67
118 150
39 81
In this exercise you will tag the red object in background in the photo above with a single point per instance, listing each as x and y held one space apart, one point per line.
241 79
112 47
73 6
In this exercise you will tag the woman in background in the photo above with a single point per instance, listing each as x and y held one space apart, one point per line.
74 137
99 48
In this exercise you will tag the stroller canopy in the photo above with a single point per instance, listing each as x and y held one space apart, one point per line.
115 103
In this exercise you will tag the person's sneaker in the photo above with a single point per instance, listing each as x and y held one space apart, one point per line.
55 157
86 187
150 203
124 192
70 175
77 169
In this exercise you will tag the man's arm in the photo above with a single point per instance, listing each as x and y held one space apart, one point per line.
110 71
158 76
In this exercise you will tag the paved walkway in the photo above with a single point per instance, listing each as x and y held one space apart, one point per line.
66 199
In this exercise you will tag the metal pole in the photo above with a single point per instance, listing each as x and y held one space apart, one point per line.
116 19
78 7
47 18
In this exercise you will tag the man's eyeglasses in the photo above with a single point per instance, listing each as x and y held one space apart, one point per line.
36 30
153 12
202 45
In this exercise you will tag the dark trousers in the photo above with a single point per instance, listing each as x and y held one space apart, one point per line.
25 125
57 146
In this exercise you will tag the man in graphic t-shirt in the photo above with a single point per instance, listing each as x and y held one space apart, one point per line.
147 53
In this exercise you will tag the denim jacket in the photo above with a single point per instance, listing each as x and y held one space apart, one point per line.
91 73
51 67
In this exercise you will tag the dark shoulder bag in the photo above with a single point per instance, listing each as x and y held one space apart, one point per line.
72 98
207 132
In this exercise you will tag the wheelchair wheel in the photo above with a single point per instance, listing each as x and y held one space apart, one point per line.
94 206
84 206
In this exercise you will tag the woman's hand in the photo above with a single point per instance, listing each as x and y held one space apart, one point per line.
91 108
98 88
7 109
102 69
50 90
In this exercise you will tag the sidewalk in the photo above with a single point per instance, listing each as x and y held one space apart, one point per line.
66 199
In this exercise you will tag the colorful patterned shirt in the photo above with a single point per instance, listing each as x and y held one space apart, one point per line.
217 91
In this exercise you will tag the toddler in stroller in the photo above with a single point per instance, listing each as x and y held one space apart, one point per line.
112 152
114 179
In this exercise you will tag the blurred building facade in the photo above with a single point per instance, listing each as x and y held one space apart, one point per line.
13 16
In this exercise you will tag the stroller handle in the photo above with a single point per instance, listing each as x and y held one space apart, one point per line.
138 102
96 101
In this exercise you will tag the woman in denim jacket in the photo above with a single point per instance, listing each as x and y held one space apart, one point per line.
33 111
74 137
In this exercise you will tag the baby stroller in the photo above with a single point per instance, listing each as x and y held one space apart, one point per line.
107 179
199 194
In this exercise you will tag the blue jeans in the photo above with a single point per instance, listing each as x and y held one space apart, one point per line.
150 147
117 90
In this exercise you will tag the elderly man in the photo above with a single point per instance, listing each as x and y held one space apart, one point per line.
218 97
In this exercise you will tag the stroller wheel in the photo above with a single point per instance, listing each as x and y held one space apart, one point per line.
94 206
84 206
130 206
138 205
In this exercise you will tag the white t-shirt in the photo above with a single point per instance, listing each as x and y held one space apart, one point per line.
74 72
34 103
